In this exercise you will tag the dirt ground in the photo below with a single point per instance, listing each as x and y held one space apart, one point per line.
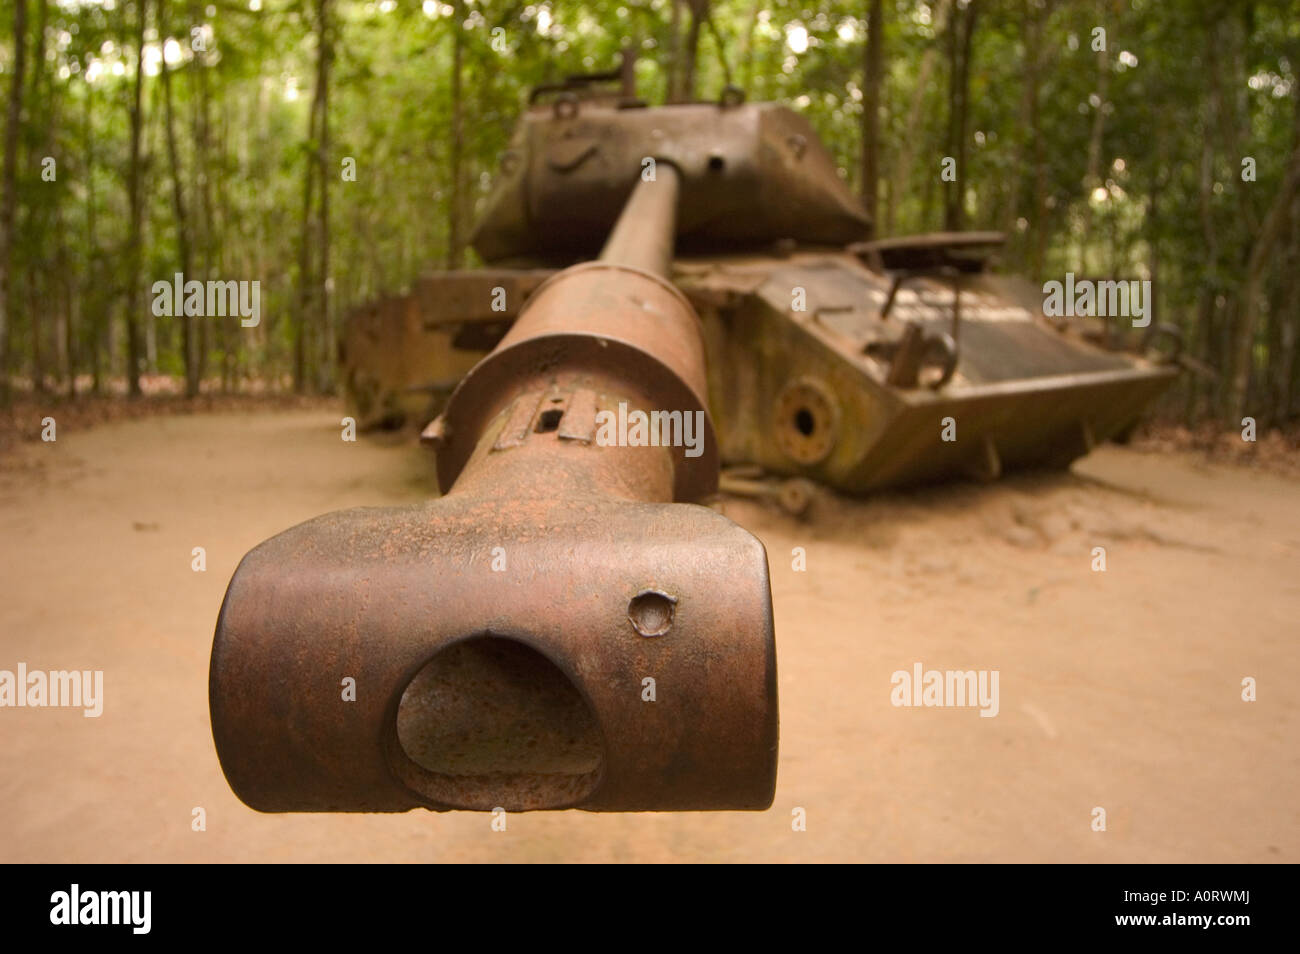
1119 689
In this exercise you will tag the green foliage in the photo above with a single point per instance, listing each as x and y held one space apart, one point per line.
1190 89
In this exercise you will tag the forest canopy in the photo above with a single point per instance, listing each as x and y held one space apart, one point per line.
333 150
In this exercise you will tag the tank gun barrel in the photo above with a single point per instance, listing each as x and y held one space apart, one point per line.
646 231
558 630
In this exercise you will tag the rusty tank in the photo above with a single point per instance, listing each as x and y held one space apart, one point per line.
565 626
832 357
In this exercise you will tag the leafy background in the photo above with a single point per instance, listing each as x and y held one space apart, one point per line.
224 162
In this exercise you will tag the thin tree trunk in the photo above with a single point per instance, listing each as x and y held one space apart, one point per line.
1041 225
1260 253
951 189
189 339
699 11
227 331
34 307
8 202
674 85
745 61
1266 390
960 40
60 277
91 294
304 269
1092 179
1206 307
905 155
71 303
323 79
872 66
135 199
152 112
1032 31
1290 316
211 233
1236 119
1155 209
201 211
455 242
33 228
303 339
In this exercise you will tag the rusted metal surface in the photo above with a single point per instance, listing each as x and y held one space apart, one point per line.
794 496
403 355
831 355
644 235
932 251
588 85
821 392
554 632
752 174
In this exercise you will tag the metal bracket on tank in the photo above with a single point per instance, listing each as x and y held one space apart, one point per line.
912 352
945 255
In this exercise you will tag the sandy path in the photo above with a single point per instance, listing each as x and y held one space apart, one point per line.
1119 689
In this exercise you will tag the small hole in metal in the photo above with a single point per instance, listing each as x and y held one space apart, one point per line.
804 422
549 420
651 612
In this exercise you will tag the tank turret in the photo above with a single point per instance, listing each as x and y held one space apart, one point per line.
752 174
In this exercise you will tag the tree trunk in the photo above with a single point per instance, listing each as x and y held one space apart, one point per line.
1155 211
60 276
33 227
905 155
210 233
1289 337
34 307
1092 178
201 231
1027 144
455 242
227 331
699 11
1260 253
71 303
189 339
8 202
673 85
1206 305
135 201
326 356
91 294
1041 226
961 31
304 339
745 64
872 66
304 269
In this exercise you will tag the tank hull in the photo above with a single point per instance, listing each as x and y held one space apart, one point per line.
799 371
